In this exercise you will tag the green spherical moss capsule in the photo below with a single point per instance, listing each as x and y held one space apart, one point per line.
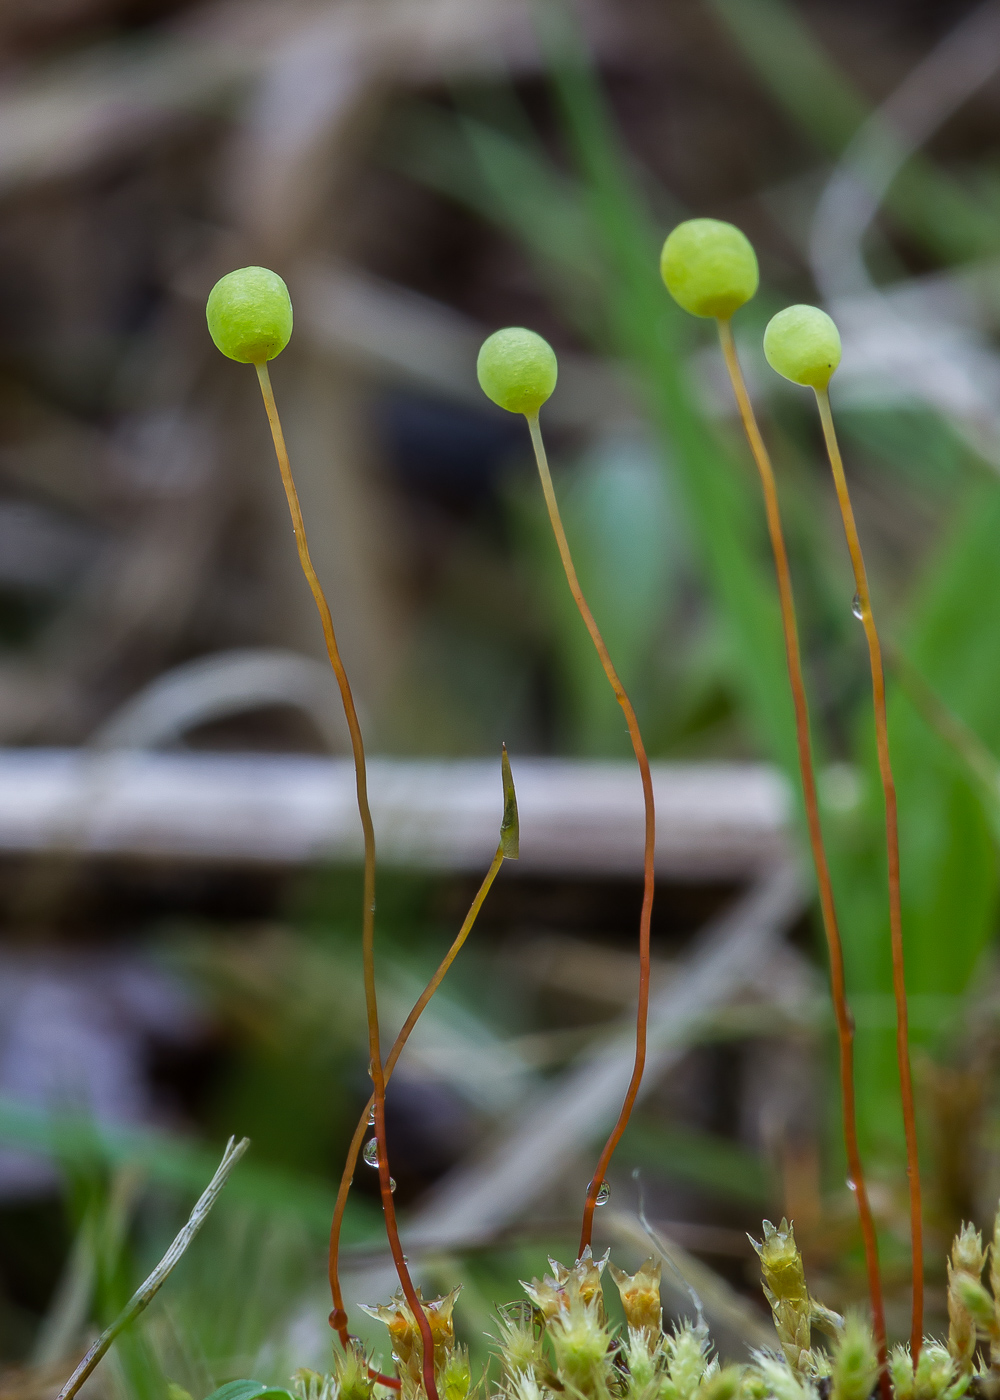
803 344
517 369
250 315
710 267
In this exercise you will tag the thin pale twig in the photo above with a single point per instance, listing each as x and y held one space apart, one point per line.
143 1296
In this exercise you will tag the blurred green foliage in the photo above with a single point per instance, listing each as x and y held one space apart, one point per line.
651 526
587 226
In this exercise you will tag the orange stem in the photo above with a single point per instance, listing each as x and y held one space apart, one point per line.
842 1011
649 849
338 1318
368 918
892 847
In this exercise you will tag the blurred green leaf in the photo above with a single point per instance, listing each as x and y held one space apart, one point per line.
250 1390
713 1163
175 1163
948 861
640 325
824 103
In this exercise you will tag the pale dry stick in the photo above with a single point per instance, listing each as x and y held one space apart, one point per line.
649 848
368 924
892 851
507 849
842 1012
143 1296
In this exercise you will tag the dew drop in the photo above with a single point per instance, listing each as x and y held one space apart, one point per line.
370 1153
851 1185
604 1195
371 1116
392 1185
856 608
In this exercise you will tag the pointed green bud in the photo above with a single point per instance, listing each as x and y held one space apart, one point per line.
803 345
901 1372
935 1372
517 369
722 1385
686 1353
855 1362
249 315
709 267
967 1253
510 828
976 1301
456 1376
781 1264
779 1380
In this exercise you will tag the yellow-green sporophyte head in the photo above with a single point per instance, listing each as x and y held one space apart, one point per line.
249 315
517 369
803 344
710 267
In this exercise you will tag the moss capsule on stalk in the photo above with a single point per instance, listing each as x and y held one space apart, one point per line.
249 315
711 270
518 370
802 343
709 267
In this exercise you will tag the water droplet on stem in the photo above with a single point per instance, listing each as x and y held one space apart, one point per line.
371 1116
856 608
604 1195
370 1153
392 1187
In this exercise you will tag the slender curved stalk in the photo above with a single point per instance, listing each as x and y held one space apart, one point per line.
368 922
649 849
842 1012
338 1318
892 849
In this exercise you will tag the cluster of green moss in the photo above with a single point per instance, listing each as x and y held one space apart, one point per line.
559 1342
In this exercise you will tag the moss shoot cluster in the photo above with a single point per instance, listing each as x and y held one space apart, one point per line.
558 1342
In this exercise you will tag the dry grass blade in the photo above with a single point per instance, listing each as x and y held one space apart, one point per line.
144 1295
